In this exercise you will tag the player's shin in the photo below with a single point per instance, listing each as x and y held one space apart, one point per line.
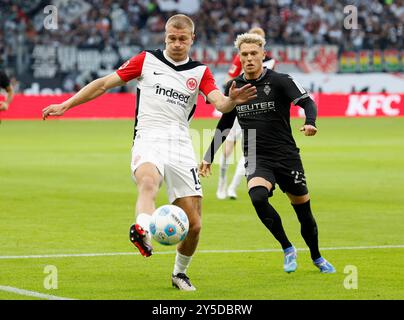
308 229
268 215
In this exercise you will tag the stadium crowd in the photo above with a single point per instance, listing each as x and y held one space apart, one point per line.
101 24
305 22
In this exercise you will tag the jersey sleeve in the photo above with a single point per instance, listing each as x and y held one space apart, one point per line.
291 88
235 68
310 110
132 68
208 83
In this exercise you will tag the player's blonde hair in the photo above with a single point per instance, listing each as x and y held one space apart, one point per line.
181 21
249 38
257 30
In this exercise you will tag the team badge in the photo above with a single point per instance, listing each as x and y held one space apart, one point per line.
267 89
192 83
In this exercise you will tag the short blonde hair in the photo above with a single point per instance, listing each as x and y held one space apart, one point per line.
181 21
249 38
257 30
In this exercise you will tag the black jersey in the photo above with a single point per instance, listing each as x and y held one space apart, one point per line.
265 121
4 80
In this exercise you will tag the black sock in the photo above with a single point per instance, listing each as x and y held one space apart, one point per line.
308 228
268 215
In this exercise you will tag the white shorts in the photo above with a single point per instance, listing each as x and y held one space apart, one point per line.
235 132
175 160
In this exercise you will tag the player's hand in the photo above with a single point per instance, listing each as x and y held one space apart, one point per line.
308 130
3 106
243 94
205 169
54 110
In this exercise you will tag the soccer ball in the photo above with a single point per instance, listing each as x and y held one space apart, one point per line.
169 224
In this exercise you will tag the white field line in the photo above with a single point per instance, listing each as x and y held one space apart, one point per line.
74 255
28 293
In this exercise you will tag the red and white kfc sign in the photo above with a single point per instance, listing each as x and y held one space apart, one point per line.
373 105
122 105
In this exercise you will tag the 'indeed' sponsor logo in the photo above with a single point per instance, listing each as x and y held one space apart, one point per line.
171 93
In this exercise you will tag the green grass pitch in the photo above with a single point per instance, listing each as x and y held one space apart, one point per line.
65 188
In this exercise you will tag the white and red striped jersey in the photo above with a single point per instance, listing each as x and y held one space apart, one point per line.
166 92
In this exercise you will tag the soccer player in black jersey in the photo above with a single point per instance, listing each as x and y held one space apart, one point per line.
269 147
235 133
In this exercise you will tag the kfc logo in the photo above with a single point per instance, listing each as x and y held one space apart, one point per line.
192 83
368 105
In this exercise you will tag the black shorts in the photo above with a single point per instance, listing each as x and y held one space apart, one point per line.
289 175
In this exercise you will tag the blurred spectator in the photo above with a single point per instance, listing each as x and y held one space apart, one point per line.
114 24
305 22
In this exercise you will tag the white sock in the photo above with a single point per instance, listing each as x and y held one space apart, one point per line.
240 172
181 263
143 219
223 168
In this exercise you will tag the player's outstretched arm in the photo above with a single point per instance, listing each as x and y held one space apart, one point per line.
91 91
236 96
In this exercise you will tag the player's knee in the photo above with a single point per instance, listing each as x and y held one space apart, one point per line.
299 200
195 228
258 195
148 185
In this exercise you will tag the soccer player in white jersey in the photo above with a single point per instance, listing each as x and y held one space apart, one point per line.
235 133
168 86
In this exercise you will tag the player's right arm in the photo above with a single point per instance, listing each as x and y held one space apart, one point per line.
6 84
223 128
222 131
129 70
10 95
91 91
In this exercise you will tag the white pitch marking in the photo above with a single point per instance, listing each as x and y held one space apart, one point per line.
74 255
35 294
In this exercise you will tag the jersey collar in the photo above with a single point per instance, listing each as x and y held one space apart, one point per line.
259 78
174 62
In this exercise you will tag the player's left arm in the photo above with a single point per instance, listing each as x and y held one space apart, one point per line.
299 96
310 110
221 132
